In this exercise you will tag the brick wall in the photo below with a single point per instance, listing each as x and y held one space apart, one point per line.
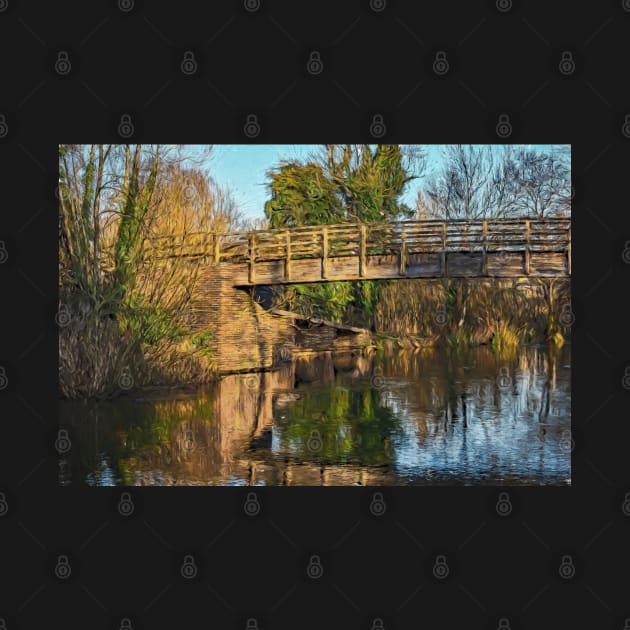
245 335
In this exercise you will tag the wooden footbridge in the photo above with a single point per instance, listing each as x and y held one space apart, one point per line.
369 251
248 337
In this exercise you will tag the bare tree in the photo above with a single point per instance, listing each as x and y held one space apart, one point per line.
543 183
478 182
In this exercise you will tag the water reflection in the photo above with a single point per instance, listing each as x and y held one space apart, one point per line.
429 417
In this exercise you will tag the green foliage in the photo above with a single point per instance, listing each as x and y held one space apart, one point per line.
344 183
148 321
352 423
301 194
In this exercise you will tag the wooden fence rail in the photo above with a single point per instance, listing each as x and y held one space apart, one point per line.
407 240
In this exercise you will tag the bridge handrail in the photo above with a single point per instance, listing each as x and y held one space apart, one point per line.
376 238
411 222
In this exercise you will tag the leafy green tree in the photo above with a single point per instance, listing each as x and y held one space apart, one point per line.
339 184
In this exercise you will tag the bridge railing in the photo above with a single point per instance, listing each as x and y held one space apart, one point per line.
403 238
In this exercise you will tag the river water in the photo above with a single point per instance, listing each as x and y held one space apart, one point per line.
427 417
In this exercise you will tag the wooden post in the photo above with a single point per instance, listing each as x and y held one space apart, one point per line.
287 260
527 252
444 248
484 249
569 251
362 251
324 252
217 246
252 258
403 254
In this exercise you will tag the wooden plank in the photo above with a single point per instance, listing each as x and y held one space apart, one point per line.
217 248
527 250
403 255
484 260
362 251
325 252
252 258
444 249
287 260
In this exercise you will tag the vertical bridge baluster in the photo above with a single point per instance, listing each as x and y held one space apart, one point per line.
362 250
527 251
324 252
569 250
287 259
484 249
217 246
252 258
403 253
444 248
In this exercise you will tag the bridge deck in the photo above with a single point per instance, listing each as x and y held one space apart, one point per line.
407 249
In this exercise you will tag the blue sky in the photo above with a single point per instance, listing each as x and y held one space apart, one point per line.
242 167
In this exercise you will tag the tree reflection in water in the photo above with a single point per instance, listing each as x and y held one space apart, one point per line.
427 417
